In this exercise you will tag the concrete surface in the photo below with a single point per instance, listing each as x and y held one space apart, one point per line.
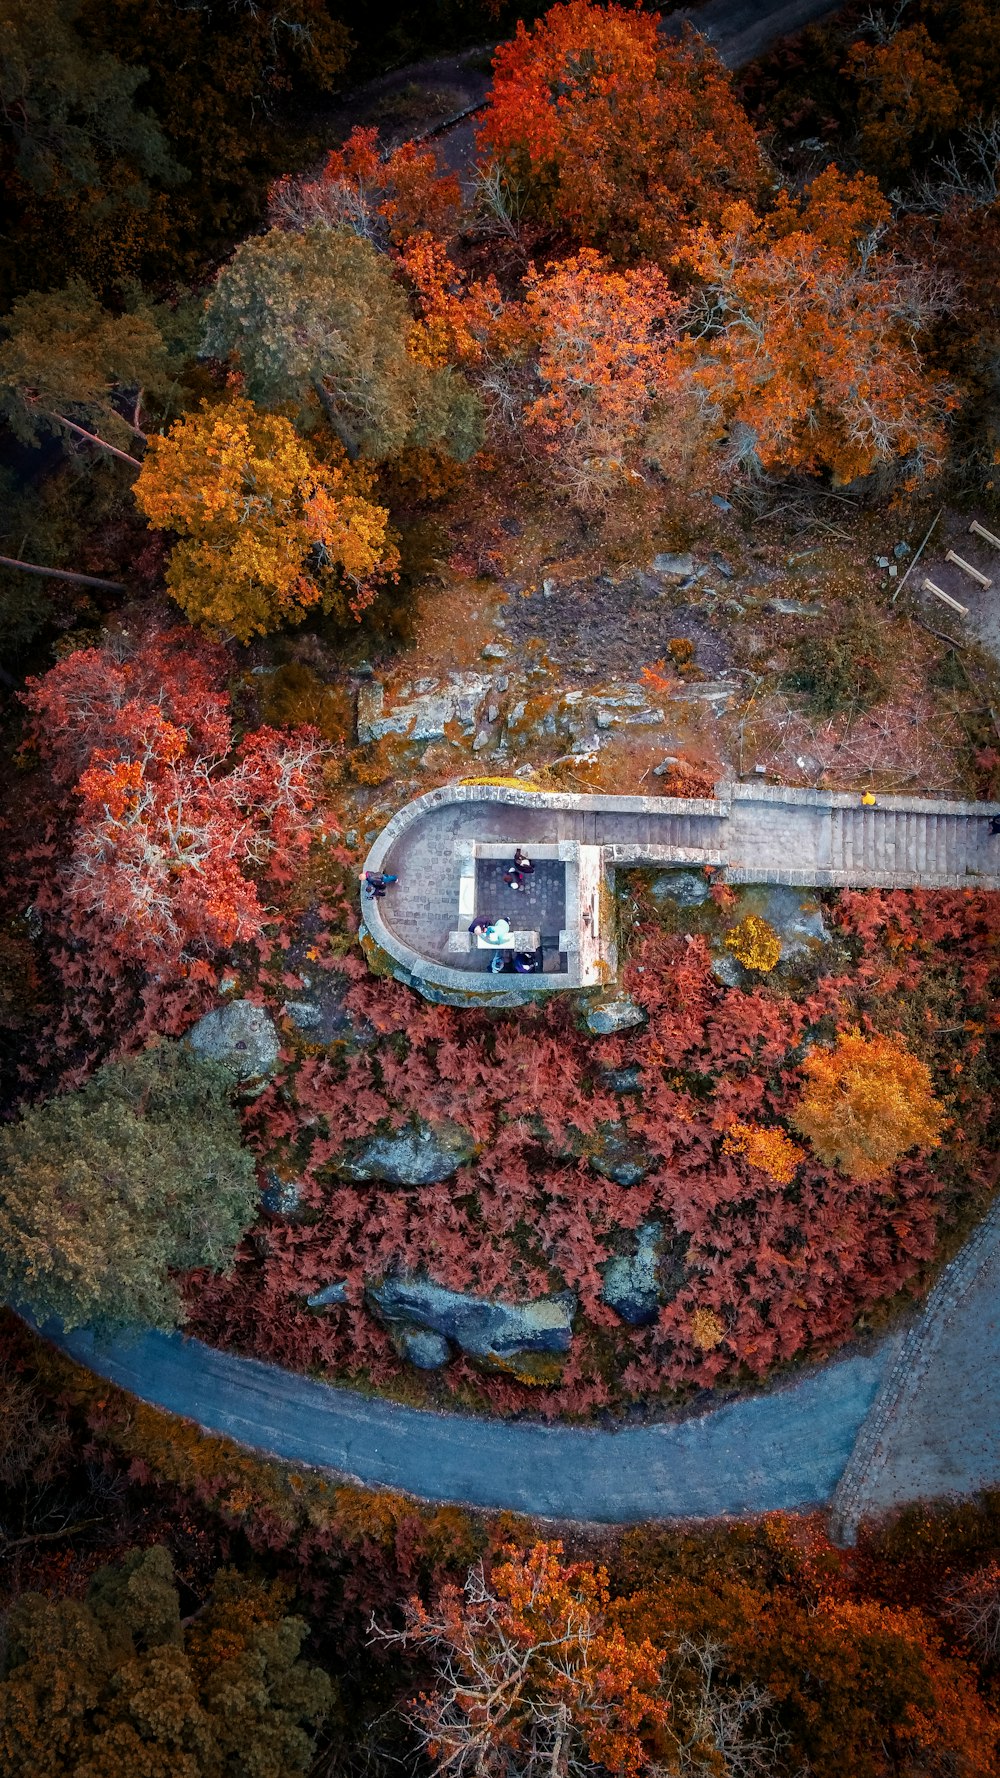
779 1450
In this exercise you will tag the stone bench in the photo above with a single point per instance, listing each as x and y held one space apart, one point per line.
515 941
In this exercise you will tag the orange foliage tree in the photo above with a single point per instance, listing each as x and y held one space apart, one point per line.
906 97
806 336
385 197
607 361
867 1102
616 133
265 531
531 1676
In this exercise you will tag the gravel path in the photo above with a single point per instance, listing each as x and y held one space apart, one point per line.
775 1451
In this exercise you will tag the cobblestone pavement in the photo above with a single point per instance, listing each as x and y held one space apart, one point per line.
779 1450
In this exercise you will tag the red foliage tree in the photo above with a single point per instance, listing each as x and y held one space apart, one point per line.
620 135
170 827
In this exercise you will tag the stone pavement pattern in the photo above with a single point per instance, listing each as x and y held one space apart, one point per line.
770 1452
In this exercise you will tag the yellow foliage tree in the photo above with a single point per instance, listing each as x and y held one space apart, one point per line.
771 1150
866 1102
265 531
754 943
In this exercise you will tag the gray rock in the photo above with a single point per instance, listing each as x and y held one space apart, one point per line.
618 1155
304 1014
797 918
723 505
280 1197
622 1080
900 550
548 587
610 1016
631 1286
727 970
688 888
419 1154
677 566
243 1037
482 740
329 1297
495 651
796 608
666 765
495 1332
426 1351
421 717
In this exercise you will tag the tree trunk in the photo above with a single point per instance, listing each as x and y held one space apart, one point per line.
113 586
340 427
91 437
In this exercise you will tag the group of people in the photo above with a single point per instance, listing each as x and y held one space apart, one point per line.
497 932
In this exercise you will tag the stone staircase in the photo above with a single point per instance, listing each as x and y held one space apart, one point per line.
915 843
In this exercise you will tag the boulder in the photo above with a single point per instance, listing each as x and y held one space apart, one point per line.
610 1016
329 1296
622 1080
616 1154
427 1351
305 1015
631 1283
797 918
688 888
503 1336
728 970
422 1153
280 1197
243 1037
676 566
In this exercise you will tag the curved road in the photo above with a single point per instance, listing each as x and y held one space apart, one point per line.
780 1450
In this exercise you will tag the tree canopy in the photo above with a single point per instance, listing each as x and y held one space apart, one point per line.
104 1191
619 134
866 1102
116 1685
317 316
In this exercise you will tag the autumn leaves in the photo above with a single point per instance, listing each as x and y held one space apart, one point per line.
630 300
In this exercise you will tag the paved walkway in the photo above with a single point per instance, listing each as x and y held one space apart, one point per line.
771 1452
934 1428
759 833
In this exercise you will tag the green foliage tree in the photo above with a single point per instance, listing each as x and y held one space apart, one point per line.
105 1190
117 1686
68 110
69 364
318 317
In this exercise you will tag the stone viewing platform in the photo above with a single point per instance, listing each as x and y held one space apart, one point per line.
449 850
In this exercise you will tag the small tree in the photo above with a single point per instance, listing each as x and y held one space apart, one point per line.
606 358
105 1191
616 133
532 1676
318 317
266 531
118 1685
865 1103
170 823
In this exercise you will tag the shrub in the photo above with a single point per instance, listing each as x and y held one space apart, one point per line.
105 1190
754 943
867 1102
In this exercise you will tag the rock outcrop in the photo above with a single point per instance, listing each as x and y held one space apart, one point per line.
524 1340
421 1153
610 1016
631 1282
243 1037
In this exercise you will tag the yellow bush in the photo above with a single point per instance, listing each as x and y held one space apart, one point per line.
754 943
770 1150
707 1330
866 1102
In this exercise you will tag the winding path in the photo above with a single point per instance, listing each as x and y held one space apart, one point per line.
783 1449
